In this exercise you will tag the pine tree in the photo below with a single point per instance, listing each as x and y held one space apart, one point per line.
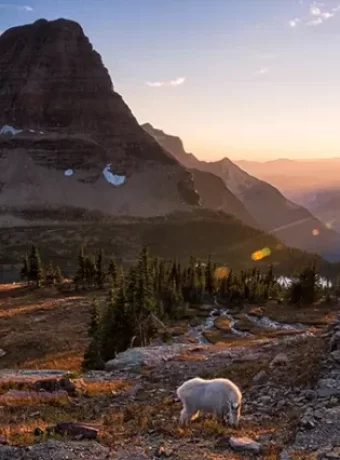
58 276
24 272
192 292
92 358
210 279
112 271
124 328
201 282
108 342
144 302
90 270
50 275
95 320
35 269
80 275
99 274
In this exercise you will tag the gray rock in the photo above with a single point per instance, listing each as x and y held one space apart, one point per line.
336 355
245 444
328 392
328 453
334 343
57 450
3 440
146 356
285 456
308 423
74 430
2 352
55 384
260 377
280 359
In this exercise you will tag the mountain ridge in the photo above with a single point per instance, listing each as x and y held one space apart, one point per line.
274 213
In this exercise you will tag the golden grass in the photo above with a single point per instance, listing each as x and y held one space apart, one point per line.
32 399
66 360
43 328
96 388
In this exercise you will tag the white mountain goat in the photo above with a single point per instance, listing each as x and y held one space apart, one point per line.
221 397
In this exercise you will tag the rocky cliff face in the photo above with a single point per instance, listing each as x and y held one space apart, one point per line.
61 118
292 223
212 189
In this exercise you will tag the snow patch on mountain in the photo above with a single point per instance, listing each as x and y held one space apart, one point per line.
114 179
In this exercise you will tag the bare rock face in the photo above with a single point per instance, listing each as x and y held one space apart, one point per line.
68 138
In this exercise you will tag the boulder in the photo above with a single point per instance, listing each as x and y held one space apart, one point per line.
244 444
336 356
280 359
260 377
74 430
72 386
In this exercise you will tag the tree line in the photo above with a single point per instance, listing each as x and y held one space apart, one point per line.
152 291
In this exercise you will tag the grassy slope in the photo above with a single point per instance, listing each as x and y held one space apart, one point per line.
180 235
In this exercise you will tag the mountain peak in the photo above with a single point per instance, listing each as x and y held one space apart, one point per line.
68 139
50 77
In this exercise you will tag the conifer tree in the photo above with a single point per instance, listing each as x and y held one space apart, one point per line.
35 269
90 270
124 328
80 275
99 273
113 271
94 321
108 345
24 272
92 357
210 277
58 276
50 275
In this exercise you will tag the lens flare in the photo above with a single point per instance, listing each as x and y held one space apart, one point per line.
330 223
221 272
261 254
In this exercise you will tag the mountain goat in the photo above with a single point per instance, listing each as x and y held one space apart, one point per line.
221 397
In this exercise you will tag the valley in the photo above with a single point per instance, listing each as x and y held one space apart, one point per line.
128 265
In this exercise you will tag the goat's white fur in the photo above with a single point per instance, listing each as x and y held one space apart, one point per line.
221 397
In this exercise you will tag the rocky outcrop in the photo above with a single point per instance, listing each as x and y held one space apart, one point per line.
67 137
320 422
215 195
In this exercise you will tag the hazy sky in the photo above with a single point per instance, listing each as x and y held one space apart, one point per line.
251 79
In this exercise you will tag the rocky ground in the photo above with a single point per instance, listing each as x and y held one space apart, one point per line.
290 383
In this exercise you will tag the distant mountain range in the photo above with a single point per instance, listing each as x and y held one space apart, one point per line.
293 224
313 183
